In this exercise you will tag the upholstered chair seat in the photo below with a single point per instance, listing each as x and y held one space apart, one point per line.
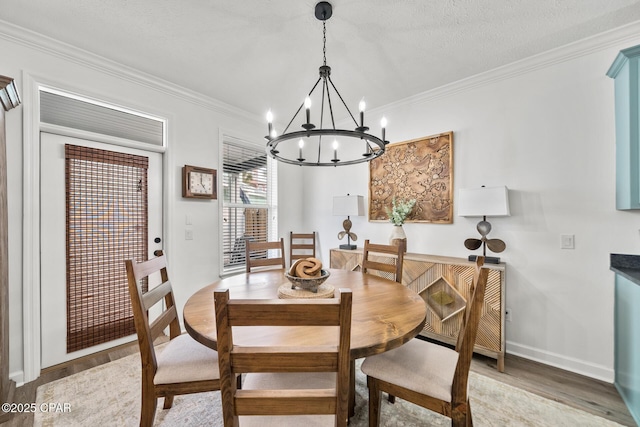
185 360
418 365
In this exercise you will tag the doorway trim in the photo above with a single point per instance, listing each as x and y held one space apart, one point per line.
31 232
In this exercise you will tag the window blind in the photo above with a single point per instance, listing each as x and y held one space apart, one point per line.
92 116
106 223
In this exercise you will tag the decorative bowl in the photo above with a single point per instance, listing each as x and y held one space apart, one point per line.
307 284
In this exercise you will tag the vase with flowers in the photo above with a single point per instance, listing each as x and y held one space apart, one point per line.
398 213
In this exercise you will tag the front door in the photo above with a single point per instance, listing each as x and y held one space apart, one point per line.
92 210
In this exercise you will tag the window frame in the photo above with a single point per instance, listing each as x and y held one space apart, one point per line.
271 202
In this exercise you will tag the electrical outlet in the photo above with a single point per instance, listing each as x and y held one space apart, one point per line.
567 241
188 234
507 315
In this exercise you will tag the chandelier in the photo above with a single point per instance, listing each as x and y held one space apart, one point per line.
325 146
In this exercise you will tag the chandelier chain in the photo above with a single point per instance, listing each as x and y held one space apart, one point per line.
324 42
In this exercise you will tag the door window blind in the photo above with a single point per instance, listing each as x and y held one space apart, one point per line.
106 223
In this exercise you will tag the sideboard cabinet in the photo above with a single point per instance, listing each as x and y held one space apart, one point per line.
443 283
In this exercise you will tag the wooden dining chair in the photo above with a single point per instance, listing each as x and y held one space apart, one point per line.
303 385
257 254
301 245
427 374
184 365
388 260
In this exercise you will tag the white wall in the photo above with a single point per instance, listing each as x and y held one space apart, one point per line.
543 127
195 126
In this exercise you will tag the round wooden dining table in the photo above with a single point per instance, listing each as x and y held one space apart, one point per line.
385 314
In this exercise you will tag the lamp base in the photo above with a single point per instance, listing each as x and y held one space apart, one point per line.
487 259
349 247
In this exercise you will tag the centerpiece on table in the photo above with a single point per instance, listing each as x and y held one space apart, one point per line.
398 213
307 274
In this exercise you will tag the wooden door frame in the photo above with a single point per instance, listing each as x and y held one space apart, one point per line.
31 205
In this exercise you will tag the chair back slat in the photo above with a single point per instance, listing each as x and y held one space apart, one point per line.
287 361
301 246
156 294
256 254
147 268
283 313
161 323
393 253
234 360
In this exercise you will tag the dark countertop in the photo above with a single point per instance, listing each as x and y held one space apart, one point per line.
627 266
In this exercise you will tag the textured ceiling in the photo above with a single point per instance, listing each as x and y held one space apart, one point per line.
261 54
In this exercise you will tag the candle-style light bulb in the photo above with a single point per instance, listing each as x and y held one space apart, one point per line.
335 149
362 106
307 107
269 121
300 145
273 133
383 124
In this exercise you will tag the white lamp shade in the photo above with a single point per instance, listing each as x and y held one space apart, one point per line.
348 205
483 201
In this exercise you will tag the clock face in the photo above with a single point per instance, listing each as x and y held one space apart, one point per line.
201 183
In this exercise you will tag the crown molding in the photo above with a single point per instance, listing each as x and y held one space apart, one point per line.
598 42
67 52
564 53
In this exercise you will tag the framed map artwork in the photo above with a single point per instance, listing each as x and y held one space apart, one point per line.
420 169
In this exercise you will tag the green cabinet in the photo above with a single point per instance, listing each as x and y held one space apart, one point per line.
627 343
625 70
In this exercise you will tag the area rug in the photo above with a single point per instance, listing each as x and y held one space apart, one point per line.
109 395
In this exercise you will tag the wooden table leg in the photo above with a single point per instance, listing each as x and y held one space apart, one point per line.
352 389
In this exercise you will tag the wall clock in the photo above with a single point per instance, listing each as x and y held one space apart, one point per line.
199 183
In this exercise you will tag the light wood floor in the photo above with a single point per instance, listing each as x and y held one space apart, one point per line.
574 390
584 393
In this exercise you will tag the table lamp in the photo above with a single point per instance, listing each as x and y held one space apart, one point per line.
348 205
484 202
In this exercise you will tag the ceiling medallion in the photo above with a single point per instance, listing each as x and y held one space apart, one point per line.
320 146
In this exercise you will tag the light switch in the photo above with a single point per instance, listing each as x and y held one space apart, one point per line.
187 220
567 241
188 234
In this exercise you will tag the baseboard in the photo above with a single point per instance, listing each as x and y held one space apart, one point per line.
571 364
17 377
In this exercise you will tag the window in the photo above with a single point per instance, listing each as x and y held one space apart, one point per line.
249 202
